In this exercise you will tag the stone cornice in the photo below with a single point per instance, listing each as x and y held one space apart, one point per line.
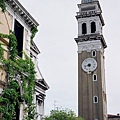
91 37
40 97
90 14
42 85
96 12
16 6
34 48
89 46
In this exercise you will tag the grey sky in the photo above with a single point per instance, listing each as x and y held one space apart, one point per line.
58 58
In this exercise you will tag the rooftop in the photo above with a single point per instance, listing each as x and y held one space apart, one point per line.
16 6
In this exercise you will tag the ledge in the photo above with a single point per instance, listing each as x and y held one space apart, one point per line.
3 83
91 37
90 13
16 6
41 83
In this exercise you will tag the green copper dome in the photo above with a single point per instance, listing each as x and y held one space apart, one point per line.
87 1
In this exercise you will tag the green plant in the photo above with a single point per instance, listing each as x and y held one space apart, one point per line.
2 5
11 95
34 30
62 115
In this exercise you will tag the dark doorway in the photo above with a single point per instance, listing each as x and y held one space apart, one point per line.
18 30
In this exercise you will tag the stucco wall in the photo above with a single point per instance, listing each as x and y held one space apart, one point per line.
2 72
5 22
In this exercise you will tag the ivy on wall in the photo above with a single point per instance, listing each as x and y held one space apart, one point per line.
2 5
34 30
11 96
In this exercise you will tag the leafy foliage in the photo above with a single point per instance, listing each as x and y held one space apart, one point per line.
25 69
2 5
11 95
34 30
62 115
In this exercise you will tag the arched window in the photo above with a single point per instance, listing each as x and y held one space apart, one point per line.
93 27
84 28
93 53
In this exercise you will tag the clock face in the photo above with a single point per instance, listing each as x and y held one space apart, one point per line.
89 65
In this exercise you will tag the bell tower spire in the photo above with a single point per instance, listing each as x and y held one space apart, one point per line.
92 102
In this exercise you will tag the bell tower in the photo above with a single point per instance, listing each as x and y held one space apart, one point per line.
92 103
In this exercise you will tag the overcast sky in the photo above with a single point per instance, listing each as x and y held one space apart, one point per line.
58 58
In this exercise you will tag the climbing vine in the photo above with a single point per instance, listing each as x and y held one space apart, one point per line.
34 30
11 96
14 67
2 5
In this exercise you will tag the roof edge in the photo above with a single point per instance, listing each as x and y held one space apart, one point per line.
17 7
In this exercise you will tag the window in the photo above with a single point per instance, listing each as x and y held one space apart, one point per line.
95 99
84 28
94 77
94 53
18 30
93 27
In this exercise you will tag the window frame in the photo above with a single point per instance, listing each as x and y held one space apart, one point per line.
84 28
95 99
94 76
19 33
93 52
93 27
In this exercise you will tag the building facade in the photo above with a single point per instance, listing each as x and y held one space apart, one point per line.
17 19
113 117
92 102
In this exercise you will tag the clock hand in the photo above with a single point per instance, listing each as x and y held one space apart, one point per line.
89 65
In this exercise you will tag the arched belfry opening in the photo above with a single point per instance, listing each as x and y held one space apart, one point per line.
84 28
93 27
